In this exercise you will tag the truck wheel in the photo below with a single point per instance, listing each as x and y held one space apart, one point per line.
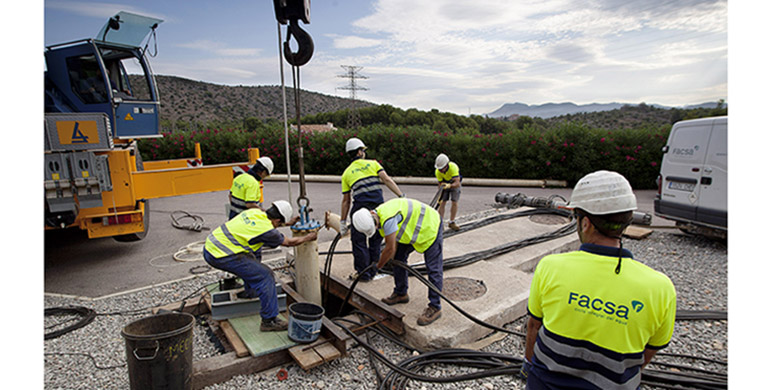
140 235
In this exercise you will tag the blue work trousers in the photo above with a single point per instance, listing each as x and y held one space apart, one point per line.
434 262
365 251
258 279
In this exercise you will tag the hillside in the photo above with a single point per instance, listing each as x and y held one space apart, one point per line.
189 100
551 110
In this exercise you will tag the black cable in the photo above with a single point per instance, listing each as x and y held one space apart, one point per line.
93 360
87 316
196 225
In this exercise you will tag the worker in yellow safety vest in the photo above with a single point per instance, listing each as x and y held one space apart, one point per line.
236 247
246 191
407 225
449 179
596 315
361 184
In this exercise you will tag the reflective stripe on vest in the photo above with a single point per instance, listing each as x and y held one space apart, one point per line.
416 229
367 184
233 236
620 374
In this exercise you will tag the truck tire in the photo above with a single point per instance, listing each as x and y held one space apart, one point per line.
140 235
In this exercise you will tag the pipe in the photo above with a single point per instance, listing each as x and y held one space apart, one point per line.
308 277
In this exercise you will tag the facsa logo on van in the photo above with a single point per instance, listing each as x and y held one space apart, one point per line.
685 151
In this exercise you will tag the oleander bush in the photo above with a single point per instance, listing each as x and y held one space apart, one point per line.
564 151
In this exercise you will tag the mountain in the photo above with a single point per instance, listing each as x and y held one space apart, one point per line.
189 100
549 110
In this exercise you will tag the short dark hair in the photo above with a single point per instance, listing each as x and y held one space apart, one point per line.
353 154
273 213
611 225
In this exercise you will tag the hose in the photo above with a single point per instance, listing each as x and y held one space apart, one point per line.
87 316
196 225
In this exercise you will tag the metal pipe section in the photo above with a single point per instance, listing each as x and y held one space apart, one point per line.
555 202
308 277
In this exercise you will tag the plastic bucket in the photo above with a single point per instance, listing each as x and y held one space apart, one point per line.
305 321
159 351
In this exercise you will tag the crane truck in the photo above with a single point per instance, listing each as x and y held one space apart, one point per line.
95 178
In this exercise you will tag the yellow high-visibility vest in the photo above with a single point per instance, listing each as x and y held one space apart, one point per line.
233 236
419 224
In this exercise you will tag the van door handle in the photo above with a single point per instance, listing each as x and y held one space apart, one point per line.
705 180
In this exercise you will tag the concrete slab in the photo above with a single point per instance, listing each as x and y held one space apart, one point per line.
506 277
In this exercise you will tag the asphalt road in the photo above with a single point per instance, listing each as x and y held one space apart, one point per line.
78 266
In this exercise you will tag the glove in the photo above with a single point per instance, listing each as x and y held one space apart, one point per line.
344 228
525 368
446 186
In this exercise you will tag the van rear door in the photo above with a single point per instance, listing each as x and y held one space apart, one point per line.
682 168
712 206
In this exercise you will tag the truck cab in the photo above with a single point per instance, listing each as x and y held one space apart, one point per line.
91 75
692 185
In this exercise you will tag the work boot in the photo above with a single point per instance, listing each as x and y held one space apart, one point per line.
453 226
275 324
395 298
428 316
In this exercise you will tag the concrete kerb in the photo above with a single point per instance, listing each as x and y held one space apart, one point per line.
467 181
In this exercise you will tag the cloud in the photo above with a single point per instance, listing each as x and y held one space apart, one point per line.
98 9
220 48
354 42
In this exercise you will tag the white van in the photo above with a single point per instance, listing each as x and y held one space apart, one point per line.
692 186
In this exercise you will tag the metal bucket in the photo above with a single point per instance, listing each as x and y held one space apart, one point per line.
305 321
159 352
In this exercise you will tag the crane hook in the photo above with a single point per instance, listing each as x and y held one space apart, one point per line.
304 42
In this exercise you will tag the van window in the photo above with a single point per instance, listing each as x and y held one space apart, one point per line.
688 144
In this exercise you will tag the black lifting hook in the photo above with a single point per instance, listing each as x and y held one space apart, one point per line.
304 42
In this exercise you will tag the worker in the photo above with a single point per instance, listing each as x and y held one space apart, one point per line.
361 183
407 225
596 315
236 247
448 176
246 191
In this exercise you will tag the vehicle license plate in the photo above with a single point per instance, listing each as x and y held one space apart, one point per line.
678 185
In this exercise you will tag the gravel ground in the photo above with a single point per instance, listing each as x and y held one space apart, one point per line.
697 266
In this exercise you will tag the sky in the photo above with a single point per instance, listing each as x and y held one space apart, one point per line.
465 57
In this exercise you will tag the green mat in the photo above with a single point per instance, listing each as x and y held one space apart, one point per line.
257 342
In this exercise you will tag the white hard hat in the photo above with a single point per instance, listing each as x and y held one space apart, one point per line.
363 221
267 163
441 161
284 208
354 144
603 192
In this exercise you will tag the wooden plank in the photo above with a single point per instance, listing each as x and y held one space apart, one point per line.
235 340
192 305
220 368
328 351
314 354
306 358
257 342
637 232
